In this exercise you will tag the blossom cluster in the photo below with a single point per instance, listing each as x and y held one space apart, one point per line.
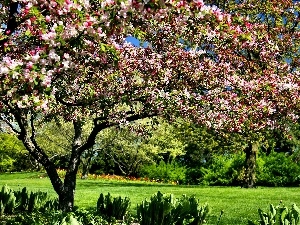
216 68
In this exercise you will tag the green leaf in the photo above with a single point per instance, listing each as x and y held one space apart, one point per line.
272 210
283 214
27 33
73 221
36 82
103 47
286 222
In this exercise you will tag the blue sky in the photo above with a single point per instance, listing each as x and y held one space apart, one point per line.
133 40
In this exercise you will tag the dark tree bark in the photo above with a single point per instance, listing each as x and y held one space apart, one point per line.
11 24
66 196
250 165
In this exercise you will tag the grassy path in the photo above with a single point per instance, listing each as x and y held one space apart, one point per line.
238 204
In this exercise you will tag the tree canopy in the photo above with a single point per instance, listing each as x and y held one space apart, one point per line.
232 67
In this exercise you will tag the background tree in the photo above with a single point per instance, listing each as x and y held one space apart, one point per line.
128 148
202 145
125 148
56 139
254 64
13 155
164 137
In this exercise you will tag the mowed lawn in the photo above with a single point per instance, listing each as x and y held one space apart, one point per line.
238 204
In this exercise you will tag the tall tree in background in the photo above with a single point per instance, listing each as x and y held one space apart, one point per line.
265 71
126 149
213 66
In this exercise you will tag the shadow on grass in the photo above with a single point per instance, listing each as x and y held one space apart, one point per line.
21 175
95 183
101 183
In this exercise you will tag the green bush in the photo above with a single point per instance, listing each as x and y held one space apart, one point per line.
113 208
21 200
13 154
223 170
165 172
78 217
278 169
167 210
279 215
194 175
36 218
54 218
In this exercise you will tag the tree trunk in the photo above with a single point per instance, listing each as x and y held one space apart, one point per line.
85 168
66 196
86 160
250 165
85 172
66 189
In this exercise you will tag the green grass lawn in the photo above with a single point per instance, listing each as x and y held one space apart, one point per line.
238 204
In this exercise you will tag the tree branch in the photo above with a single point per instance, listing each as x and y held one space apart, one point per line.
12 23
105 124
10 125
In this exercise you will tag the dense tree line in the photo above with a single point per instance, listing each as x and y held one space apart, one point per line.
180 152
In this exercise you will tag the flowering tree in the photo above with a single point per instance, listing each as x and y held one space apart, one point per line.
279 30
69 59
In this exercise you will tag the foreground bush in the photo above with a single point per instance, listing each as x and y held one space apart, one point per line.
78 217
22 200
279 215
160 210
113 208
167 210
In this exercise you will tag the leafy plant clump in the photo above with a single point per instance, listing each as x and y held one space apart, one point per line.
78 217
279 215
113 208
22 200
7 200
168 210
